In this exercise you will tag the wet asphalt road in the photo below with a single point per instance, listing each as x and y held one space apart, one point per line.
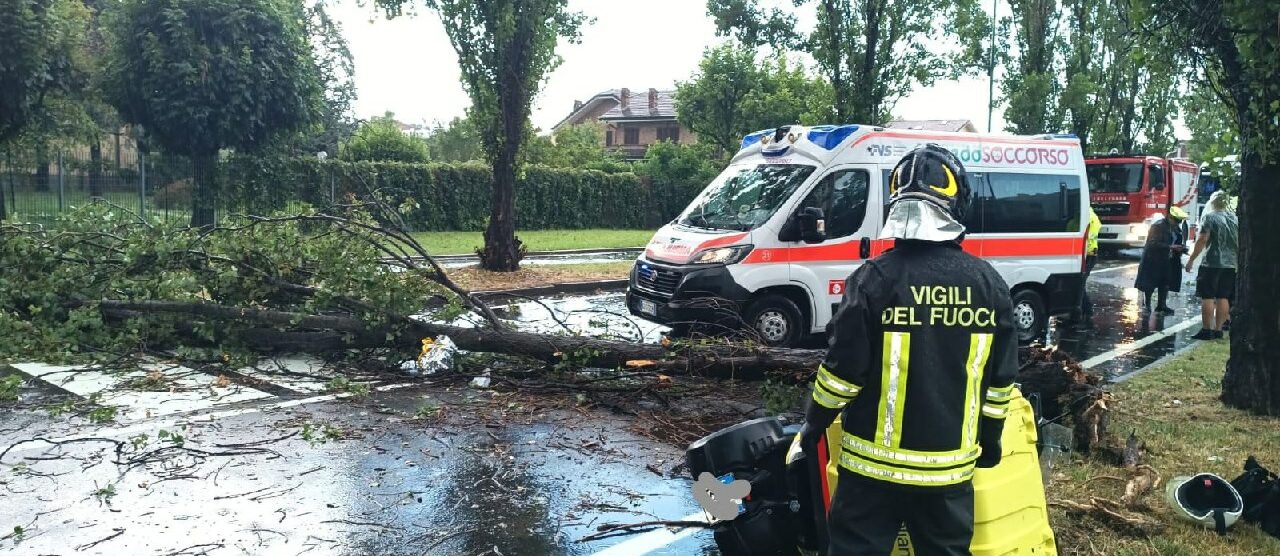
396 478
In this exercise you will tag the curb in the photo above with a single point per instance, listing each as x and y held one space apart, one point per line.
559 289
564 253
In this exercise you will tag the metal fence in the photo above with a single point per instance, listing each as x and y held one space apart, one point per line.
39 186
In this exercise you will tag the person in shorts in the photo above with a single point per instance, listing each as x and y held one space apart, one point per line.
1216 282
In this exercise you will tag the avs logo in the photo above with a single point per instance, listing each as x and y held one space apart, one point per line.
897 151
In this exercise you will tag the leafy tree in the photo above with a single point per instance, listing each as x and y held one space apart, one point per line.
733 94
1213 135
205 75
381 139
1237 43
873 52
337 74
456 142
39 44
506 49
1079 66
1031 91
576 146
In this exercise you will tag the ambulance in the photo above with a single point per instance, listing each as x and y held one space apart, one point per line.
767 246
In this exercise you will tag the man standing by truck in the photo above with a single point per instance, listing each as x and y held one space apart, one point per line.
921 362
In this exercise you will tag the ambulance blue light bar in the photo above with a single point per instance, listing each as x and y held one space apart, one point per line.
753 138
830 136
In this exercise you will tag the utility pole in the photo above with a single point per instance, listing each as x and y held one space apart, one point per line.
991 66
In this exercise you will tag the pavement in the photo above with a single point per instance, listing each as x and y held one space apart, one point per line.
267 462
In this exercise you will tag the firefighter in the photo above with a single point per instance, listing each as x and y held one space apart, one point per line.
921 361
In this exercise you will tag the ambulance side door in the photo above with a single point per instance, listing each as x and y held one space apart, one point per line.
844 195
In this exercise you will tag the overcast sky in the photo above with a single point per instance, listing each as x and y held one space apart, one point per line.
407 65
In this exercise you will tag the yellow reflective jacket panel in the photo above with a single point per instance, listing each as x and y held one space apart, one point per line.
922 357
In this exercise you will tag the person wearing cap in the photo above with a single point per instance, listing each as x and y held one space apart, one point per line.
1218 239
921 360
1161 267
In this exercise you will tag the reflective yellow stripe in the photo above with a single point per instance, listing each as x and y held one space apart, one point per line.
949 458
825 399
893 385
979 349
994 412
835 385
1002 394
916 477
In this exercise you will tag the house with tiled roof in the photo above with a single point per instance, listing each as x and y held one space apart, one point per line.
633 119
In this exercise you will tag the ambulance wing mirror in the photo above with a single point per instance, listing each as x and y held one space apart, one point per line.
813 225
864 248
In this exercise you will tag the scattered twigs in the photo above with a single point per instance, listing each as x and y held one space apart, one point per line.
615 529
118 531
1111 514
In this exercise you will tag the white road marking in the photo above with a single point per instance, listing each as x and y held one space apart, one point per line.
1141 343
131 430
1113 268
182 390
653 540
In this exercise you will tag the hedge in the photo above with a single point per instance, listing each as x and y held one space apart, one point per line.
456 196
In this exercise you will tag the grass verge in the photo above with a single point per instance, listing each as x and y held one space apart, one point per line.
1175 410
530 276
466 243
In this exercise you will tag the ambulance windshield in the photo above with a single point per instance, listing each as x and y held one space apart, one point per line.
744 197
1115 178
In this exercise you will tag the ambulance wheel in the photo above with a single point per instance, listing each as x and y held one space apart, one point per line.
1029 315
775 320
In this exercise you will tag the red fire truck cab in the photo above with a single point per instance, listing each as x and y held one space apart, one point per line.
1129 192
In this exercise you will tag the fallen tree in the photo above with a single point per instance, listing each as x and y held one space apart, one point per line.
106 282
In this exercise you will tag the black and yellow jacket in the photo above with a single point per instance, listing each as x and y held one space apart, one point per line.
922 358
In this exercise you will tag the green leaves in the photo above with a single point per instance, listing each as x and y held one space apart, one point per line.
381 140
202 75
733 94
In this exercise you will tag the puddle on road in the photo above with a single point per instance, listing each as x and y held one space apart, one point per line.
395 486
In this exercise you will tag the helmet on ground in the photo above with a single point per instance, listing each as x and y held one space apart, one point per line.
932 173
1206 499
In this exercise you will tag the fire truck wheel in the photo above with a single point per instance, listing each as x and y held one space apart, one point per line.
775 320
1029 315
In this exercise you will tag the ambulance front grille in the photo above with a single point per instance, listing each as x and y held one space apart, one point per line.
656 279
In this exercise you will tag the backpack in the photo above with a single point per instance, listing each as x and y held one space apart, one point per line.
1260 490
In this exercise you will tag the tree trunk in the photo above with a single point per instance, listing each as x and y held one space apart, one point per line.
325 333
1252 380
204 192
95 169
501 251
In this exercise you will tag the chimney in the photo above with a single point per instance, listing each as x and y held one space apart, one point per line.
577 105
626 98
653 99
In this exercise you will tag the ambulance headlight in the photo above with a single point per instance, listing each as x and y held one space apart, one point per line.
722 255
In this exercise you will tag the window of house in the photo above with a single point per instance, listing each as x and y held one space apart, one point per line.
670 133
608 138
842 196
631 136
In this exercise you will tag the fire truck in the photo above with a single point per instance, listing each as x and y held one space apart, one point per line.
1129 192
